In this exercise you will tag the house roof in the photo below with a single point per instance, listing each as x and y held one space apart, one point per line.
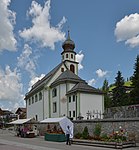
20 109
44 80
84 87
67 76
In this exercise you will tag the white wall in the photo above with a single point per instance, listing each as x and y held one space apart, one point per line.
91 102
35 109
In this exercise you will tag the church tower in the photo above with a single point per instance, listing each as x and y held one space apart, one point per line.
69 55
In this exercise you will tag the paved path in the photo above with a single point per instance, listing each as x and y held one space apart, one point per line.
8 141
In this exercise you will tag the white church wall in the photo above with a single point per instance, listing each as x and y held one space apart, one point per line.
45 105
55 111
35 109
63 99
55 76
91 102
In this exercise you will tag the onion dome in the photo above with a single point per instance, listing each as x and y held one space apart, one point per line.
68 45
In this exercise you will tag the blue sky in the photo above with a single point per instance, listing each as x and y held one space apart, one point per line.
106 35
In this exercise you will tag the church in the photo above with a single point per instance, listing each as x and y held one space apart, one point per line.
62 92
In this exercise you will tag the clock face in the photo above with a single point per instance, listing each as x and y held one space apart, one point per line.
64 99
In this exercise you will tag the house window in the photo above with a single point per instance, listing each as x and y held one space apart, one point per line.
73 98
72 68
36 98
69 99
67 56
54 92
32 99
62 69
29 102
74 113
69 113
54 107
40 96
72 56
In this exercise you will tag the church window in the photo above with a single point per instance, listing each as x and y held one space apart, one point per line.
36 98
72 68
29 102
69 99
32 99
54 92
63 57
72 56
67 56
54 107
36 117
62 69
74 113
69 113
40 96
73 98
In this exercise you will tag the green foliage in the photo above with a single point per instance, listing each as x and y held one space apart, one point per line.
85 133
134 95
78 135
105 89
119 92
104 137
97 130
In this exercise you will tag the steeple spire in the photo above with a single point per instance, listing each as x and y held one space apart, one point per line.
68 45
68 38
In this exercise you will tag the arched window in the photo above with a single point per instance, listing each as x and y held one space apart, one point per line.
32 99
29 101
72 68
36 98
67 56
54 92
72 56
40 96
62 69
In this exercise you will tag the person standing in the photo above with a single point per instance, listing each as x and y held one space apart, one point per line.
68 133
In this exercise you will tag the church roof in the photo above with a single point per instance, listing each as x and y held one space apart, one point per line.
84 87
39 84
68 45
67 76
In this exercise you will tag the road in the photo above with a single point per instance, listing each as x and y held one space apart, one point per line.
8 141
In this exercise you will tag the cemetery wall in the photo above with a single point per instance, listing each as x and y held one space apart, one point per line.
131 125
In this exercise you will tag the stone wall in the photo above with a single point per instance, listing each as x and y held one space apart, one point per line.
131 125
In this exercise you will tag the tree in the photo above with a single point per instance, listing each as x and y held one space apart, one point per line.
134 94
119 92
105 89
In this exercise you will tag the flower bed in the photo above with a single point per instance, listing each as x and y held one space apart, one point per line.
117 139
117 145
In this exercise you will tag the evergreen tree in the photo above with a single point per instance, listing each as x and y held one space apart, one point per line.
134 94
105 89
119 92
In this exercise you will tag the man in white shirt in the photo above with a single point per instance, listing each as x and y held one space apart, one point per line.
68 133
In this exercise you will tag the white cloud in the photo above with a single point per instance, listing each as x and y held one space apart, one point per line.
127 30
11 86
79 58
41 31
34 80
26 61
100 73
7 21
92 82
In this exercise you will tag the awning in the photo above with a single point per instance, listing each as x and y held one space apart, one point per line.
20 121
63 121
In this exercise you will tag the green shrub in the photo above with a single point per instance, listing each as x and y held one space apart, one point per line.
97 130
105 137
85 133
